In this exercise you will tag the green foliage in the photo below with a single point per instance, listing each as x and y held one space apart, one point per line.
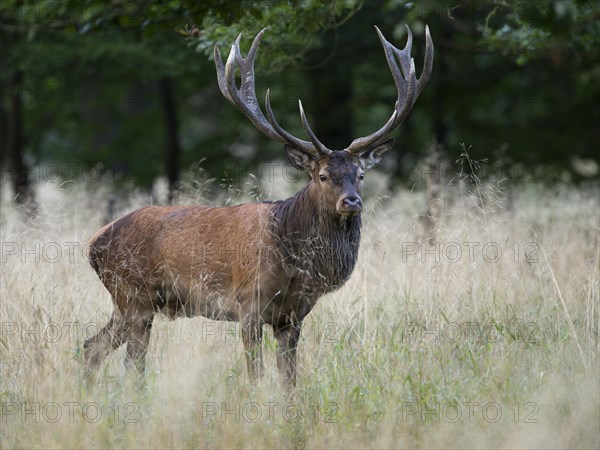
516 78
293 27
513 78
556 29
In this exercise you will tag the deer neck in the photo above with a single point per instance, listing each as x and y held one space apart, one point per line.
316 240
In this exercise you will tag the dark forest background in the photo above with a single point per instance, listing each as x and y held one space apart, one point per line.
129 88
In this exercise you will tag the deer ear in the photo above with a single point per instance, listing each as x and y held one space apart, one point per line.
372 156
299 159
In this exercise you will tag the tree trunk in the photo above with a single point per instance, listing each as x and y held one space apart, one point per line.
15 142
3 132
436 159
434 190
172 147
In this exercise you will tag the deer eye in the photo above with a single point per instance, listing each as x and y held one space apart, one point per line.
361 176
323 178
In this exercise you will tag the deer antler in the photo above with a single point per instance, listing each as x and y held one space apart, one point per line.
245 98
407 85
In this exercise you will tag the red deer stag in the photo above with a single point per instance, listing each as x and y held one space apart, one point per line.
258 263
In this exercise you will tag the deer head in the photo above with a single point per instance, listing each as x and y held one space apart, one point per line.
336 174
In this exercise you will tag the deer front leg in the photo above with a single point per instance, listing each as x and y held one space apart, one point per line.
252 337
287 341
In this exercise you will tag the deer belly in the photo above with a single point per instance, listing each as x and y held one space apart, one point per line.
208 297
212 305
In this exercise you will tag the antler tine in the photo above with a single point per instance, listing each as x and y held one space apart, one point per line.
230 77
313 137
221 74
407 85
245 97
247 101
288 138
427 62
406 96
404 54
246 66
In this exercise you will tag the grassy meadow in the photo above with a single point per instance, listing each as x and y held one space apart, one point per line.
485 338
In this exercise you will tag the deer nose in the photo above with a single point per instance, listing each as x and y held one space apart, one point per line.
352 204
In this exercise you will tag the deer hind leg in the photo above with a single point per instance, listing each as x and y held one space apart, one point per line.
252 337
98 347
287 342
138 338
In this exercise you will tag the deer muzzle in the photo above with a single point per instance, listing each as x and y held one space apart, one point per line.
349 205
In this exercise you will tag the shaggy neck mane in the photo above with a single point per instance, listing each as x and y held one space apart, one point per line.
317 244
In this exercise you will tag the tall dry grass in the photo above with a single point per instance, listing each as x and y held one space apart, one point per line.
488 338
